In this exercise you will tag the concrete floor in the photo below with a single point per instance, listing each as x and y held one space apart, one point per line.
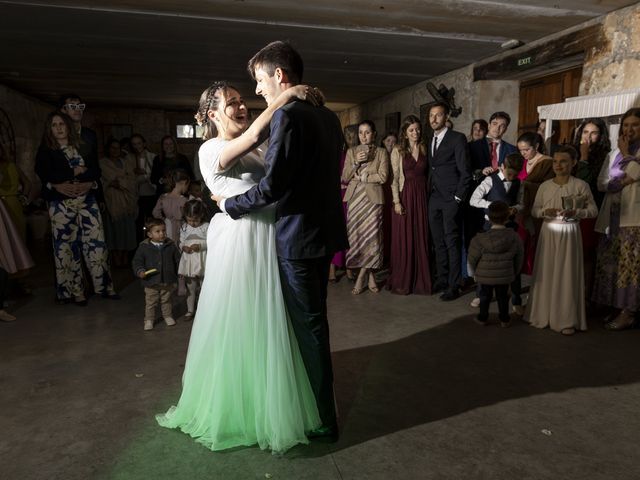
423 393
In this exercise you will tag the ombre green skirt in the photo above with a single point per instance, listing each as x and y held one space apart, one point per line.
244 381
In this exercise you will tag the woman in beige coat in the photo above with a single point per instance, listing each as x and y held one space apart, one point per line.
366 168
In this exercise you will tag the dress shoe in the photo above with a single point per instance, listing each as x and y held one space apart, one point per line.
449 295
111 296
324 433
6 316
80 302
439 287
624 321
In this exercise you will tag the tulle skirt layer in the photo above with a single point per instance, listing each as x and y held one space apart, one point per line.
244 381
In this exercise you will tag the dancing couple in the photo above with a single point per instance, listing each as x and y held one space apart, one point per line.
258 369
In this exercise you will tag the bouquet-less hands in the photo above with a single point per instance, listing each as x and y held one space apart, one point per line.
398 208
73 189
313 95
191 248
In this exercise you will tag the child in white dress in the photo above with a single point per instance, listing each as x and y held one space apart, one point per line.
193 243
557 290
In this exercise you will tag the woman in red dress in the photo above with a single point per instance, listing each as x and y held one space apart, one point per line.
410 235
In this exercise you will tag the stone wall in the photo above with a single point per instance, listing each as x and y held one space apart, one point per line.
477 99
612 66
26 115
152 124
615 65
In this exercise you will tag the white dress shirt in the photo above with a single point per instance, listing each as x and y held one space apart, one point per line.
479 194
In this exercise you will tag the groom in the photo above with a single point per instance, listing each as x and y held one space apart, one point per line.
303 177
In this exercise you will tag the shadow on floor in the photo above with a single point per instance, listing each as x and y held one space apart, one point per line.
460 366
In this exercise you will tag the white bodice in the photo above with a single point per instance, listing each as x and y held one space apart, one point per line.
246 172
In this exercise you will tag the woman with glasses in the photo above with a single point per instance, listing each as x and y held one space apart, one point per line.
69 184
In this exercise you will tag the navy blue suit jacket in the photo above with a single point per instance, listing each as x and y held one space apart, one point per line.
303 176
449 175
481 156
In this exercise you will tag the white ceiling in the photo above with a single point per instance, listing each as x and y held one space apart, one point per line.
162 53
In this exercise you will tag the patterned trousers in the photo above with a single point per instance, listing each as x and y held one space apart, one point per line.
76 228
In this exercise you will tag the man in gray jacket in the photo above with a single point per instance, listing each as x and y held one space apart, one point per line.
495 258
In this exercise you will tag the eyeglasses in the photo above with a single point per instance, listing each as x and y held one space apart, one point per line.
75 106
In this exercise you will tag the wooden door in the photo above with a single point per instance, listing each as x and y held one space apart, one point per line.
543 91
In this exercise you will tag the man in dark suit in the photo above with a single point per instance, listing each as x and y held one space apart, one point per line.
486 155
303 177
449 180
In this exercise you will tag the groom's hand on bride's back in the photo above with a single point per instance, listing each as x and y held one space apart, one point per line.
219 199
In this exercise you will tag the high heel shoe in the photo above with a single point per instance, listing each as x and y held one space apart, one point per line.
350 276
372 284
359 287
624 321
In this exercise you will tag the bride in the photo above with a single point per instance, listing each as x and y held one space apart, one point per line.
244 381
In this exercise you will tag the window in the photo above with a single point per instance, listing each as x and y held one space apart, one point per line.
190 131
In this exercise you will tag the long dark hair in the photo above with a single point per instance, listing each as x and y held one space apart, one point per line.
403 141
49 141
599 150
163 154
534 139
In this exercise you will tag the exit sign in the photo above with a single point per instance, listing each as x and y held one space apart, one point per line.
524 61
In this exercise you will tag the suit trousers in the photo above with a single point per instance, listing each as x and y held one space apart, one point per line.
158 294
502 297
304 286
444 220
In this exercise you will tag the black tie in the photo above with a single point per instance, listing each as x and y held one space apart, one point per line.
435 145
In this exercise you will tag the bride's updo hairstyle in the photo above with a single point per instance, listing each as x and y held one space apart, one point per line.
209 100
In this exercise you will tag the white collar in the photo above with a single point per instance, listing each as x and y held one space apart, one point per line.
441 134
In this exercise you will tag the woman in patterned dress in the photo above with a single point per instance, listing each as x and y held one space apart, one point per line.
366 168
617 279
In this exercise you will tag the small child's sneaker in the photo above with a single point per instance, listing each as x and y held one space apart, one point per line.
188 316
148 325
169 321
475 303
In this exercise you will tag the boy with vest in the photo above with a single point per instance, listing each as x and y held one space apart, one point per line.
503 186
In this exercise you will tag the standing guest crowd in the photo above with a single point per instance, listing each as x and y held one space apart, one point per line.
571 213
435 215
